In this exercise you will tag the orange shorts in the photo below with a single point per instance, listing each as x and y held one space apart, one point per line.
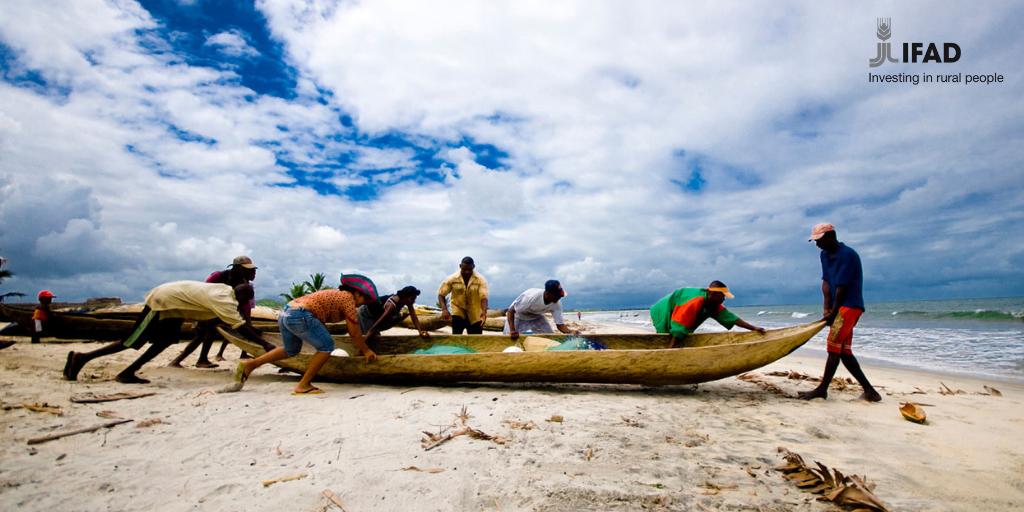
840 336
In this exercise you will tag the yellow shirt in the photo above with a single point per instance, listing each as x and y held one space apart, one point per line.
193 300
465 298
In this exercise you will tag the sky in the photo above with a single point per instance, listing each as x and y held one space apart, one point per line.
625 149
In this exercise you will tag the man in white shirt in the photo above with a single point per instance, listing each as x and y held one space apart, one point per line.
527 312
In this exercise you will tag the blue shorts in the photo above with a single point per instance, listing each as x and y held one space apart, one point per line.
298 325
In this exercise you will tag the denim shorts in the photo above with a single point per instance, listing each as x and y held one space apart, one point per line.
298 325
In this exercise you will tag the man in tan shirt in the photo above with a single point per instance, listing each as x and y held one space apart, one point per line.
167 306
469 299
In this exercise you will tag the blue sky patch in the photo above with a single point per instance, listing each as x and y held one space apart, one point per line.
187 29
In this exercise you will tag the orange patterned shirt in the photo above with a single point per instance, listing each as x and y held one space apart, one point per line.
329 306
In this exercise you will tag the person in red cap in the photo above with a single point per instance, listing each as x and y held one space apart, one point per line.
842 282
41 316
303 320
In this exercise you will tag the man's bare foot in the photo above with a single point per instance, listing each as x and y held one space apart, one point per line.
206 364
812 394
72 366
219 358
131 379
174 364
870 396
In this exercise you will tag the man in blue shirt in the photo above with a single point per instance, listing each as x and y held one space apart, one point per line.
842 283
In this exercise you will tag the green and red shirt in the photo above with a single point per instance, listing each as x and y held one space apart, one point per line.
682 311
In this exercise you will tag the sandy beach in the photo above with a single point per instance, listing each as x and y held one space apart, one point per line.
706 447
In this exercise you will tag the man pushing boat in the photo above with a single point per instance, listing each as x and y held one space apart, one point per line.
167 306
526 314
842 282
682 311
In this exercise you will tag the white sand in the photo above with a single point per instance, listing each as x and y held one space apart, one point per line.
672 448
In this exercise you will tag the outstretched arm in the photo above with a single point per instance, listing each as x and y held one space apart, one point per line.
742 323
511 318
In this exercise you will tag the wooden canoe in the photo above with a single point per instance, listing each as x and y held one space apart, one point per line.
72 325
631 358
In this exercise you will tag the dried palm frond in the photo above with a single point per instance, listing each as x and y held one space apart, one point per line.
830 484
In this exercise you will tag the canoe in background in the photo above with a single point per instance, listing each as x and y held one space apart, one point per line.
630 359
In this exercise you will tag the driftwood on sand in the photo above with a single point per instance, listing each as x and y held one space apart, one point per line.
58 435
89 398
272 481
431 440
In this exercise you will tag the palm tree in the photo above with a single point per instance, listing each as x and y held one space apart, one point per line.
316 282
298 290
4 274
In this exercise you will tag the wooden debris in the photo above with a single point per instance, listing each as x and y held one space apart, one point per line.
333 498
431 440
518 425
424 470
555 419
630 422
755 378
149 423
58 435
89 398
588 454
109 414
272 481
993 391
830 484
43 407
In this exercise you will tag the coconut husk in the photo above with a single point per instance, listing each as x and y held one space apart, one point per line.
912 412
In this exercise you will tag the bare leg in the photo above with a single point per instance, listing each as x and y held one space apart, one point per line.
220 353
851 364
191 347
315 363
76 361
127 376
822 390
245 368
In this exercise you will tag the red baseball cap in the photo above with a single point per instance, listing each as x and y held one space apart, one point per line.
46 293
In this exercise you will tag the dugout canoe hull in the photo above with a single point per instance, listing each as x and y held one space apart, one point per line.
631 358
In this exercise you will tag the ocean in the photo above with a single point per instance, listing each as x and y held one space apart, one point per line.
967 336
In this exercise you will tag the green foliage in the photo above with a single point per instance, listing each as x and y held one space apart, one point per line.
270 303
298 290
315 283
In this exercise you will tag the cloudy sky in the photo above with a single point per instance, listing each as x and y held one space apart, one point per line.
626 149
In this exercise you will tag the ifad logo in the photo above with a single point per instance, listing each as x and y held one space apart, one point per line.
912 52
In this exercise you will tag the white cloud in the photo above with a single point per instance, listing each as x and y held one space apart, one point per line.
232 43
599 108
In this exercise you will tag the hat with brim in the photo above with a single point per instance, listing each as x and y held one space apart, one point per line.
819 231
45 294
243 261
360 283
723 290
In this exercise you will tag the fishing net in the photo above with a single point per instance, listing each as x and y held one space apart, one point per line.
445 350
579 343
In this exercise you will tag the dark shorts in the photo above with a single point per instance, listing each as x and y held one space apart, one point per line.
460 324
164 331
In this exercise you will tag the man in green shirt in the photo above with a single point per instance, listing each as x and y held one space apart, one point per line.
682 311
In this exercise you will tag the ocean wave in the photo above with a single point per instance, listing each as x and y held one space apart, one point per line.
797 314
976 314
